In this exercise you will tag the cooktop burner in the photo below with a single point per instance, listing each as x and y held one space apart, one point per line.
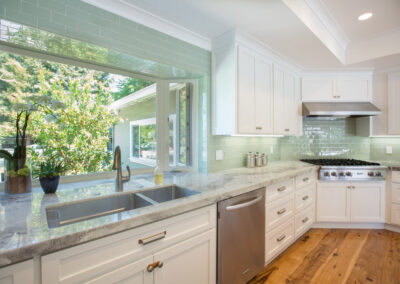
339 162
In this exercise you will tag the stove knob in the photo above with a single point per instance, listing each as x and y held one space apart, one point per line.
371 174
341 174
333 174
326 174
349 174
378 174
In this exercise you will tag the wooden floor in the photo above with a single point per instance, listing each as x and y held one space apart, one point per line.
337 256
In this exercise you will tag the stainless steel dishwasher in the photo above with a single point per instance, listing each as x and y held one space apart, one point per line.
241 237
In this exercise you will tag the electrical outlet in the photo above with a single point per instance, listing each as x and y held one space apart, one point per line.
389 150
219 155
271 149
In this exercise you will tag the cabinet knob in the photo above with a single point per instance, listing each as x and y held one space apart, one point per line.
305 220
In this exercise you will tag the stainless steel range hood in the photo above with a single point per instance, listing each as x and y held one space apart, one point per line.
340 109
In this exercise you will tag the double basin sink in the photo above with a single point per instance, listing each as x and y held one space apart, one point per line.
75 211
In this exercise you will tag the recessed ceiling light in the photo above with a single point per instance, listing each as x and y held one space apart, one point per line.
365 16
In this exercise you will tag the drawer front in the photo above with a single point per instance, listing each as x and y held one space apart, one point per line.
396 176
396 192
303 220
306 179
279 211
304 197
278 239
278 190
395 214
76 264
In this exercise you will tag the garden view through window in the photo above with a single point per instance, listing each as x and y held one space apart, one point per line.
100 111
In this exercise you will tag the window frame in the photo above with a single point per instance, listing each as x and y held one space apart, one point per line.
141 122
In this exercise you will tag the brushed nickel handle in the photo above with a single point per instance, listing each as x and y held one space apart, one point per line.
281 238
282 188
258 127
305 220
305 179
244 203
353 187
152 238
348 187
305 197
280 212
154 265
287 129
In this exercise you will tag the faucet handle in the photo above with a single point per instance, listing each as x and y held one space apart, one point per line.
127 178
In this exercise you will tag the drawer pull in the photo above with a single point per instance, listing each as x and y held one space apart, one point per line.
281 238
305 197
152 238
258 127
282 188
305 220
280 212
306 179
287 129
154 265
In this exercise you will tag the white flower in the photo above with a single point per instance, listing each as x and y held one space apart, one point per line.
21 107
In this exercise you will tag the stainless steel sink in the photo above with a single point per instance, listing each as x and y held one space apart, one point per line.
72 212
167 193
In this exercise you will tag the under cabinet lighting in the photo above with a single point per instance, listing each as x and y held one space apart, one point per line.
365 16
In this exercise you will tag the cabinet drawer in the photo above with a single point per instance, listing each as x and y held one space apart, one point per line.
396 176
76 264
278 239
303 220
395 214
20 273
304 197
396 192
304 180
279 211
277 190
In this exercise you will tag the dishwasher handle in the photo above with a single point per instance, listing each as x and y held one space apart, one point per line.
244 204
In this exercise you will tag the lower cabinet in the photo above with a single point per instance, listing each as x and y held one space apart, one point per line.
351 202
20 273
179 250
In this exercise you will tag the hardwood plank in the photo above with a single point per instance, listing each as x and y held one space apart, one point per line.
391 262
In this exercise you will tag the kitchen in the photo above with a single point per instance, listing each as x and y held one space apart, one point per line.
312 85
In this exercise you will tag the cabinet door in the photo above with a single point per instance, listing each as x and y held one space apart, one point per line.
245 92
317 89
367 202
20 273
394 103
263 97
133 273
192 261
286 114
351 89
333 202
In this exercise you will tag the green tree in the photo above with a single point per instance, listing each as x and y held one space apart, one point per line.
129 86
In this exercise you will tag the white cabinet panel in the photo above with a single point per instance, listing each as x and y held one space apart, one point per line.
277 239
277 190
263 97
304 197
352 89
317 89
192 261
245 93
279 211
394 103
332 202
303 220
20 273
367 202
396 214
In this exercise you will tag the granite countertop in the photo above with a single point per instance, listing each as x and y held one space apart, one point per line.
24 232
392 165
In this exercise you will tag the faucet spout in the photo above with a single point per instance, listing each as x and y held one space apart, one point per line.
120 179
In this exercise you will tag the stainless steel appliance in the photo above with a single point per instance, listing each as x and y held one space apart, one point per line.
340 109
348 169
241 237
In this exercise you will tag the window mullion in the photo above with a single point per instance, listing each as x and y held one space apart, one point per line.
162 124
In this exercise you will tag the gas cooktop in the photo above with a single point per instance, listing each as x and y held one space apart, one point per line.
348 169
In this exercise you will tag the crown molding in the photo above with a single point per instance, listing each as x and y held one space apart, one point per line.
135 14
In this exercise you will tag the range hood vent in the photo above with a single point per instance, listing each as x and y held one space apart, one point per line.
340 109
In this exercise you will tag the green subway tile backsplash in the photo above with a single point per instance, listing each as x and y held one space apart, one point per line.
378 149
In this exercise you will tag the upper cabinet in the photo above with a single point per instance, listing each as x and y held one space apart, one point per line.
336 88
394 103
252 94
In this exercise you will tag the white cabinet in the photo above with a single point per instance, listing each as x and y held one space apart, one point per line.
244 99
286 102
186 241
394 103
351 202
332 202
20 273
336 88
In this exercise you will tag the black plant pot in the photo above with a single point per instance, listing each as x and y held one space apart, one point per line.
49 184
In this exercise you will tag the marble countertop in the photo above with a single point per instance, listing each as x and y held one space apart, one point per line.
392 165
24 231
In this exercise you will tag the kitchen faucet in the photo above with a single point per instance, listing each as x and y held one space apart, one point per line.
117 166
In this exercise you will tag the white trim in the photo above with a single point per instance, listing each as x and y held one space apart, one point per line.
143 161
130 99
346 225
141 16
392 228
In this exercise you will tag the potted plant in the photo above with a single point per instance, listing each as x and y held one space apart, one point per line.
18 173
49 172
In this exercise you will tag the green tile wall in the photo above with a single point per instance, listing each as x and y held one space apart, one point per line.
378 149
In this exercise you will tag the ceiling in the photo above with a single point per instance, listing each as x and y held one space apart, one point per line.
313 34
